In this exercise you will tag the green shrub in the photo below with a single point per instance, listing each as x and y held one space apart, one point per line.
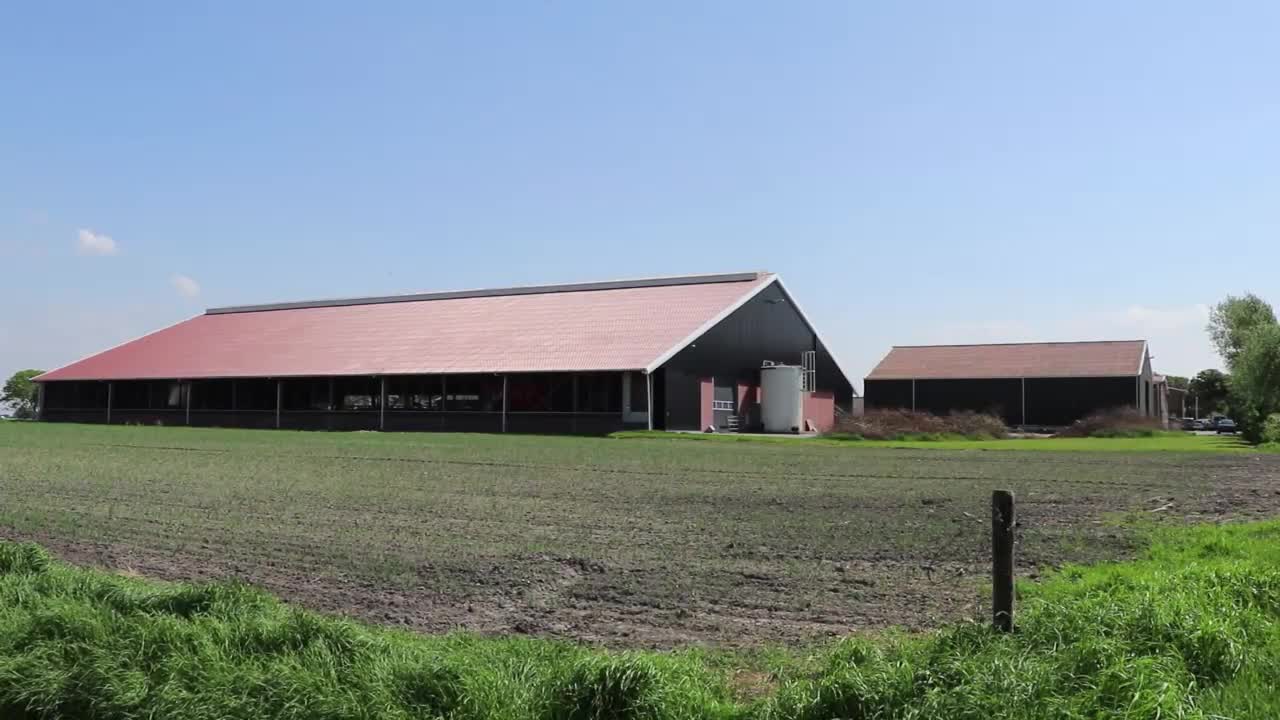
1271 429
1114 423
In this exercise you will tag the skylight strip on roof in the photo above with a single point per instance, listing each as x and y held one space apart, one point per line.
494 292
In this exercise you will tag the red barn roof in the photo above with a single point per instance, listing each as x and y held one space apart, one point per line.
623 325
1122 358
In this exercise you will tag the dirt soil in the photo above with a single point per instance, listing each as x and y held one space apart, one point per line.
623 543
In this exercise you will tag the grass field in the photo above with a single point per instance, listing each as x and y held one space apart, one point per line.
1191 630
1172 441
635 543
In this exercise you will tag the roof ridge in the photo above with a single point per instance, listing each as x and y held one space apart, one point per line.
659 281
1038 342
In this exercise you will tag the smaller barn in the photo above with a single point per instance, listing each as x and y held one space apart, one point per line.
1026 384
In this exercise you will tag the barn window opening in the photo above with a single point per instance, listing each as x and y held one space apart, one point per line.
308 393
639 392
415 392
211 394
540 392
600 392
357 393
75 395
475 393
255 394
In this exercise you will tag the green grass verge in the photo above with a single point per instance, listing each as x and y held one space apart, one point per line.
1191 631
1159 442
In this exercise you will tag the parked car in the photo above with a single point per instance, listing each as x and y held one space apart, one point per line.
1188 423
1199 425
1225 426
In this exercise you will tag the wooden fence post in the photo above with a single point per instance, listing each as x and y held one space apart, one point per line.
1002 524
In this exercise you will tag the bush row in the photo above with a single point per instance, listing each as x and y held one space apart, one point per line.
911 425
1115 423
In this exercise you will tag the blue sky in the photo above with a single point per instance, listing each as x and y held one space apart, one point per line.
918 172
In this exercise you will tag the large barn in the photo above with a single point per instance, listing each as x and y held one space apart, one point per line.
1027 384
681 353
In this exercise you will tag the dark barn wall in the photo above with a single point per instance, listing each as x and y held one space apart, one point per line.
683 407
254 419
886 394
1062 401
999 397
767 327
1002 398
74 416
1050 401
74 401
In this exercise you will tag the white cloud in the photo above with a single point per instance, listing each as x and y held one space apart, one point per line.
91 243
1176 333
1164 319
185 285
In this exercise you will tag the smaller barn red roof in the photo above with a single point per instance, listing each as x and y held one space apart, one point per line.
1118 358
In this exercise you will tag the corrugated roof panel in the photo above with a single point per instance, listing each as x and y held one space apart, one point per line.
621 328
1120 358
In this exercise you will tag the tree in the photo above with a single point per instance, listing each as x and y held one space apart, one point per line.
1177 381
1256 381
20 393
1232 320
1212 388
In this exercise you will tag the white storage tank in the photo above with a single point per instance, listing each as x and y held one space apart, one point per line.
782 407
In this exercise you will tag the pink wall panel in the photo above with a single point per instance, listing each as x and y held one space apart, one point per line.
707 391
820 409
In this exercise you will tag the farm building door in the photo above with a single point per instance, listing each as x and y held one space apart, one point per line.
724 404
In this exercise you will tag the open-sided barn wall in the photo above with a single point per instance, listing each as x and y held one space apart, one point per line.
588 403
999 397
1062 401
1049 401
84 401
886 394
68 396
766 327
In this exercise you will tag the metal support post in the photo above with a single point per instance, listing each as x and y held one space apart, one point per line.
1024 402
504 403
279 400
110 392
648 381
382 404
